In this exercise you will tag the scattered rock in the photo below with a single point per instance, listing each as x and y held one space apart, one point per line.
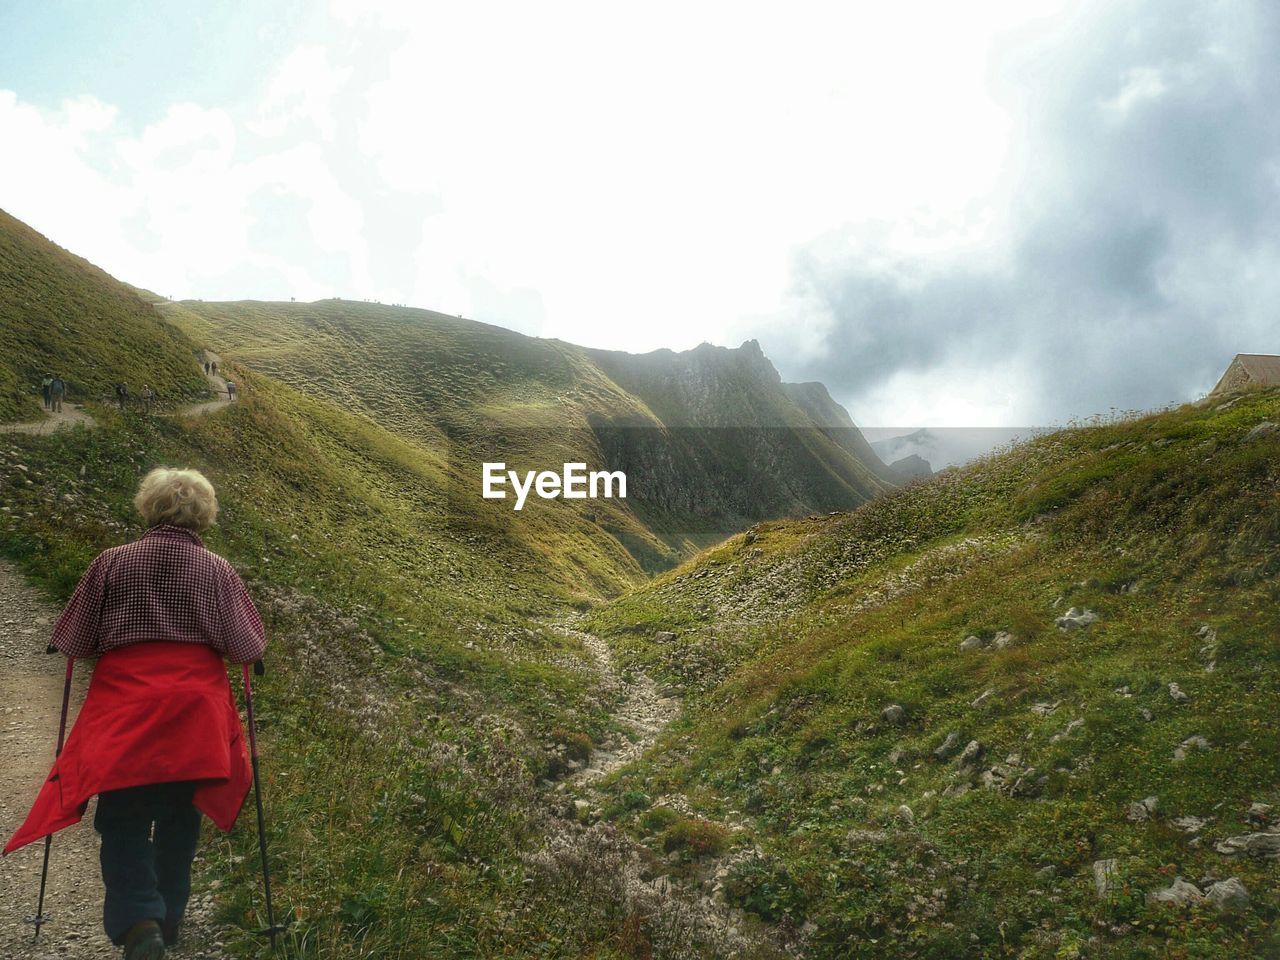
971 642
1044 709
1264 429
905 813
1229 894
1003 639
1176 694
1181 893
948 747
1264 846
983 697
664 636
1068 730
1146 714
1047 873
1259 813
893 714
1195 742
1189 824
971 754
1105 876
1076 618
1142 809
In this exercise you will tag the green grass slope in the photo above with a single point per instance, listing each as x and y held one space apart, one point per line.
860 770
711 438
417 693
60 315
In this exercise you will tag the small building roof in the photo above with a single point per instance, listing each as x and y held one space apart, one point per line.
1249 369
1262 367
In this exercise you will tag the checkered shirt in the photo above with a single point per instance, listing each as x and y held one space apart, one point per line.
163 586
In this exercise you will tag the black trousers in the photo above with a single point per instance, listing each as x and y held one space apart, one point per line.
149 837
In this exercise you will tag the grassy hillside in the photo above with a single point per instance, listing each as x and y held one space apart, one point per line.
861 770
423 703
709 438
418 695
60 315
415 697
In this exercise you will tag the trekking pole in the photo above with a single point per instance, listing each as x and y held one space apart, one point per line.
272 927
40 918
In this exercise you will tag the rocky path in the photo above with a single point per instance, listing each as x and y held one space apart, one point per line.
30 701
69 416
218 384
643 712
72 415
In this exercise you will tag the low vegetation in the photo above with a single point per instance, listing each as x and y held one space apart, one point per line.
931 722
62 316
988 715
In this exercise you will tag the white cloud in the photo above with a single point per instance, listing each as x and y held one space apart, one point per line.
622 177
301 93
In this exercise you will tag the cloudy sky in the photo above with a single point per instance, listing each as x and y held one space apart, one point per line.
983 214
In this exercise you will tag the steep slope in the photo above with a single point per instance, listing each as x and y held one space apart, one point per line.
736 444
990 714
710 439
816 401
416 694
422 702
60 315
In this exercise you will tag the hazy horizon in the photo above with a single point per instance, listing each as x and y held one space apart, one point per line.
1003 214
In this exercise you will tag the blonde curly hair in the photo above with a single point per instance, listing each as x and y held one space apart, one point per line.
184 498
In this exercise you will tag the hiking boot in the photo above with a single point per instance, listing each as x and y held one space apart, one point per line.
144 942
170 932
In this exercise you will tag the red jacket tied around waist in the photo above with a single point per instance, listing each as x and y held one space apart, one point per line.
156 712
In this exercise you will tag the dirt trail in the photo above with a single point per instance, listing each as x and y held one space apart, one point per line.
643 711
217 383
69 416
72 415
30 700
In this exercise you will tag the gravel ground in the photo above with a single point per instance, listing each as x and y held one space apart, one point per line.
30 699
643 711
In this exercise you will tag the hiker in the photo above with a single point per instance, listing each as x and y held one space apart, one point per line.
159 738
214 367
122 394
231 389
206 368
148 395
44 391
57 390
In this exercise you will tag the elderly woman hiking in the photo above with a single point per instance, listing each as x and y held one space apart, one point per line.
159 737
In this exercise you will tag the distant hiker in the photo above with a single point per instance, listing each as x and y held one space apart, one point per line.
214 367
44 391
231 389
57 390
206 368
148 396
122 394
159 737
